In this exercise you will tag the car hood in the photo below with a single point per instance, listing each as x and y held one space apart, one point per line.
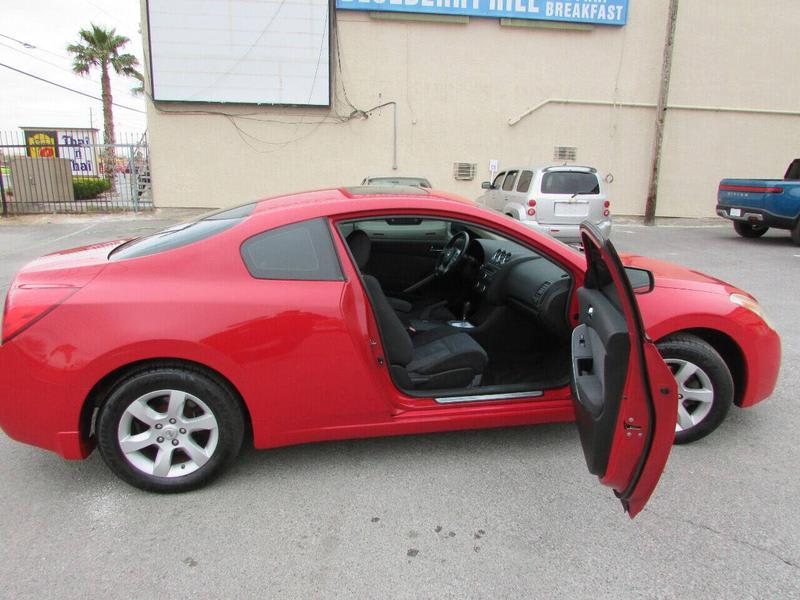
670 275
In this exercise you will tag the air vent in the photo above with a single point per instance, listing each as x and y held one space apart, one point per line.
565 153
463 171
537 297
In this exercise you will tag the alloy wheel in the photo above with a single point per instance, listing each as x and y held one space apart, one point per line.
695 393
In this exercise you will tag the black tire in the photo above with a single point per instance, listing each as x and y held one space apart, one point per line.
796 233
713 372
749 230
218 443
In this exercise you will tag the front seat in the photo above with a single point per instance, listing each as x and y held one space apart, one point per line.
361 247
438 359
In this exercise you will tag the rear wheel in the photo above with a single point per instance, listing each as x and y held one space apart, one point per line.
169 429
749 230
796 233
705 386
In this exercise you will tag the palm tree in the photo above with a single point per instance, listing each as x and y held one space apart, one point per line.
100 48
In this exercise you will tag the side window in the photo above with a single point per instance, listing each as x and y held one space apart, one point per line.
301 251
508 184
524 183
498 181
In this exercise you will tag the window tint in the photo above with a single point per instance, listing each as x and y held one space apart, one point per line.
565 182
524 183
498 181
301 251
183 234
508 184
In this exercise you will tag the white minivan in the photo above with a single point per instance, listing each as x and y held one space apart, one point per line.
553 200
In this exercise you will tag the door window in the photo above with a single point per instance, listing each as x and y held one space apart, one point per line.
498 181
508 184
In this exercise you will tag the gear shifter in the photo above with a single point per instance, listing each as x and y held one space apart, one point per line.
465 313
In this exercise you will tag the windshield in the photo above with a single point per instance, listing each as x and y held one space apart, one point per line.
413 181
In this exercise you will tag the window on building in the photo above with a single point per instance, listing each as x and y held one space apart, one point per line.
301 251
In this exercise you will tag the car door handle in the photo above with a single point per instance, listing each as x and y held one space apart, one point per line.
434 250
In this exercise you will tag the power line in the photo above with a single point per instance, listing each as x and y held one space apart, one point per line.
69 89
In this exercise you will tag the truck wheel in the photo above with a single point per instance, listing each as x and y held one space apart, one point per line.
796 233
749 230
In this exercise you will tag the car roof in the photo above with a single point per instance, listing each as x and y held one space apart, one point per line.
561 168
348 199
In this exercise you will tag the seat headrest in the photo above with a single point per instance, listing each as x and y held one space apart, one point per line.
360 247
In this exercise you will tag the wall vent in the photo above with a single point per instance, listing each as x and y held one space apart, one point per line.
565 153
464 171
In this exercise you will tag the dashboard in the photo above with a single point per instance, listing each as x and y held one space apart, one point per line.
510 274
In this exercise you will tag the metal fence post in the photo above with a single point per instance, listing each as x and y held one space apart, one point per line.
3 192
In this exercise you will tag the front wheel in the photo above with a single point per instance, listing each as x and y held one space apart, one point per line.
705 386
749 230
169 429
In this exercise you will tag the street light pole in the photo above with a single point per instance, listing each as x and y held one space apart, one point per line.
661 113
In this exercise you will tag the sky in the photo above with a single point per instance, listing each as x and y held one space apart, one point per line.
49 26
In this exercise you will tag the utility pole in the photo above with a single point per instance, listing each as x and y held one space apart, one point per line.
661 113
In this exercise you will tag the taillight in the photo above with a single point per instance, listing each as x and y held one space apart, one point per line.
531 212
606 204
531 203
606 212
26 304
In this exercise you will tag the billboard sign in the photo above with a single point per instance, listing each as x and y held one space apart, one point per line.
596 12
240 51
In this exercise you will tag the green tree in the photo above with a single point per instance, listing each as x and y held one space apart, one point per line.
101 48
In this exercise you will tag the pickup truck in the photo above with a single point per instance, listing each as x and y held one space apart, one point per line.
755 205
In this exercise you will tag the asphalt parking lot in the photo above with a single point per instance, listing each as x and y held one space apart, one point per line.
485 514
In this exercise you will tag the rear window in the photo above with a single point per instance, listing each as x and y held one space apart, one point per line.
183 234
566 182
524 183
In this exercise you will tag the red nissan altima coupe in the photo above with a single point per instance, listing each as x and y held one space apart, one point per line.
361 312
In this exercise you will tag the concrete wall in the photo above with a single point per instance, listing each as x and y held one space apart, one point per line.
457 85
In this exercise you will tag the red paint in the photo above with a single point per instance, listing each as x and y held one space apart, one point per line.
298 352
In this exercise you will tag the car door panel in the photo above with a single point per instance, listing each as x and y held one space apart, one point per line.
623 393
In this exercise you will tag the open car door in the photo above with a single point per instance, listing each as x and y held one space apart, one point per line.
624 394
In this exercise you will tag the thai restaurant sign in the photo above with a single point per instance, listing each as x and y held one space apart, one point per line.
78 145
599 12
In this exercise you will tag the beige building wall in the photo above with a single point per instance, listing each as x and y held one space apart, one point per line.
457 86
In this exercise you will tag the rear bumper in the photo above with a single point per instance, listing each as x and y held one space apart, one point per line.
755 215
566 233
37 409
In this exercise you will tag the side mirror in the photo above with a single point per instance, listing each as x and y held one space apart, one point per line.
486 185
641 280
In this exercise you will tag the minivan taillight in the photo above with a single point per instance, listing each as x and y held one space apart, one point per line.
27 303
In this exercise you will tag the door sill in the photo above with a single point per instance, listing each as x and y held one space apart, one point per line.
489 397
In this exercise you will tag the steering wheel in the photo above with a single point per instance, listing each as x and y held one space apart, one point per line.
453 253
